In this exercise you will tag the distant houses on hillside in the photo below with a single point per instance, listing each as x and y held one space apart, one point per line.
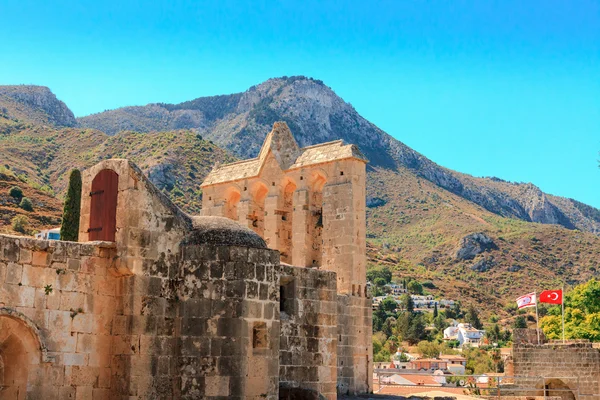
465 334
424 303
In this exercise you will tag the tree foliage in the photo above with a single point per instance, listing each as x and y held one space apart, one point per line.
414 287
69 229
582 314
520 322
472 317
379 272
16 193
20 223
26 204
428 349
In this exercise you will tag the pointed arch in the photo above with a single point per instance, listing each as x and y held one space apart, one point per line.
230 206
21 351
256 217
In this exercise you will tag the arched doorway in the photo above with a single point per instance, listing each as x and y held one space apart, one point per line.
20 355
554 387
295 393
103 207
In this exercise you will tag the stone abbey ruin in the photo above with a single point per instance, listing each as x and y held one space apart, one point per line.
264 296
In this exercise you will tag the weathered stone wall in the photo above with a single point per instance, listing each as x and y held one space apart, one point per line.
574 365
149 227
187 307
57 302
229 302
308 342
355 347
310 204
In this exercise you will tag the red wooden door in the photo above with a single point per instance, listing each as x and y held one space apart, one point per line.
103 208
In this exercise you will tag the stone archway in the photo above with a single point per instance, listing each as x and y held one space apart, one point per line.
555 387
21 353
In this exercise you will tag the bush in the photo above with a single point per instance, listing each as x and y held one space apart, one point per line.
20 223
415 287
69 229
16 192
26 204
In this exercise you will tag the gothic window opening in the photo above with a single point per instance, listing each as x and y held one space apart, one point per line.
257 209
232 199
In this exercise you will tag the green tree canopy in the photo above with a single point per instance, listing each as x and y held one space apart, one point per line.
69 229
379 272
26 204
428 349
16 193
472 317
582 314
415 287
520 322
389 304
407 303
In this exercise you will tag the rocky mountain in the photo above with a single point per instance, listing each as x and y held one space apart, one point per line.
472 238
35 104
315 114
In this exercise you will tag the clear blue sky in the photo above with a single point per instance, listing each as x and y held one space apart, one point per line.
491 88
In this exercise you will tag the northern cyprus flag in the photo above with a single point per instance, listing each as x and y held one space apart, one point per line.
527 300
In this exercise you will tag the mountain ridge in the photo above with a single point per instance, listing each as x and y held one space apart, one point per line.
239 122
415 226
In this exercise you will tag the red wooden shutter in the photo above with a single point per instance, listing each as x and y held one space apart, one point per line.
103 209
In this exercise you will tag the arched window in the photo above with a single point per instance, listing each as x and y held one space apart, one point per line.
232 198
257 208
103 207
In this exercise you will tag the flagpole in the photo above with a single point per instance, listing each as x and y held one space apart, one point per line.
537 318
562 303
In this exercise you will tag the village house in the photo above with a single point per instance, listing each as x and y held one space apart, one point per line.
465 334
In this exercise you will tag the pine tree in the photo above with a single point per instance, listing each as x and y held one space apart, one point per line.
435 310
70 223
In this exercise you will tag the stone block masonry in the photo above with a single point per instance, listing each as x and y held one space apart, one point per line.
309 203
170 306
570 370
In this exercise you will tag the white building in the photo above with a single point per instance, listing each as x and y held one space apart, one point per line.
49 234
464 334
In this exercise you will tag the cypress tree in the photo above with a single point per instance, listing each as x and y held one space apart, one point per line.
70 222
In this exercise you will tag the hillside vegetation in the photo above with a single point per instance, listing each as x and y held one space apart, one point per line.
472 238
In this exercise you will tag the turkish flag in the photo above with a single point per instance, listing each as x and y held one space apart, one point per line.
551 296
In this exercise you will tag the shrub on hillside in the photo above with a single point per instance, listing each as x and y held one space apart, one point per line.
20 223
16 192
69 230
26 204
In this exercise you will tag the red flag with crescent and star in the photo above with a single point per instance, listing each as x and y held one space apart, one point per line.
551 296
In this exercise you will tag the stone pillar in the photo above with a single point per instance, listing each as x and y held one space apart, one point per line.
243 212
272 222
301 216
343 235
